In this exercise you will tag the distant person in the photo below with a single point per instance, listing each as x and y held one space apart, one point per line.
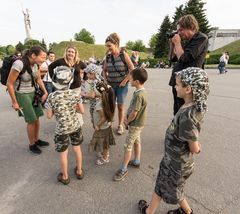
222 63
103 114
47 80
181 143
64 104
23 92
134 123
227 59
116 68
192 54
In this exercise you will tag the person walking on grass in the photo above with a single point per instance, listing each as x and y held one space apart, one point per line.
64 103
134 123
103 115
181 143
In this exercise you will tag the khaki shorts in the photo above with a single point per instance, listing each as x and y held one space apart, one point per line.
133 137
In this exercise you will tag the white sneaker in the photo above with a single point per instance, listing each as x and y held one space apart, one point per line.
120 130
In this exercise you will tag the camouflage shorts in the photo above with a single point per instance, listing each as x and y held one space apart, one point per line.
169 184
62 141
132 137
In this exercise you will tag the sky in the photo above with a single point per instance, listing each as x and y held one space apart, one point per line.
59 20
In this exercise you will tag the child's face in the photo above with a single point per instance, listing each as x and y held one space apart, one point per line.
182 91
91 76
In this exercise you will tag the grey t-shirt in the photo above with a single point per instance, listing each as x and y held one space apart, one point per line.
26 80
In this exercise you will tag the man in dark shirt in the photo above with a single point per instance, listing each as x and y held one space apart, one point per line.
192 54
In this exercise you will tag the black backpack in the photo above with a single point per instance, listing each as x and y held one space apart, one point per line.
6 68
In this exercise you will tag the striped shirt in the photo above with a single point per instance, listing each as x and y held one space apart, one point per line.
117 70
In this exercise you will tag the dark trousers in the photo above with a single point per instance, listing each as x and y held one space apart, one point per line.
178 102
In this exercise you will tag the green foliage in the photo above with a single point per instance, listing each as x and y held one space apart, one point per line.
233 48
139 46
20 47
162 45
196 8
84 36
32 42
177 15
153 41
43 44
10 50
213 59
129 45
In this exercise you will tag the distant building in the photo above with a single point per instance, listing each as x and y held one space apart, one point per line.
222 37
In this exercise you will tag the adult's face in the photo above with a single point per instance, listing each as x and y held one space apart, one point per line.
40 58
111 47
71 53
185 33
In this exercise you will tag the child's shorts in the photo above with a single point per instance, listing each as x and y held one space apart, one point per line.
62 141
133 137
170 185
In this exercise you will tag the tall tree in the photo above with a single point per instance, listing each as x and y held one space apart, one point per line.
84 36
129 45
20 47
196 8
162 44
43 44
153 41
178 13
139 46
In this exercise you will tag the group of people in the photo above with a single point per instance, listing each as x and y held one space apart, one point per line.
63 99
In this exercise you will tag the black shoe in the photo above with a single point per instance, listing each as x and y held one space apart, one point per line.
34 149
41 143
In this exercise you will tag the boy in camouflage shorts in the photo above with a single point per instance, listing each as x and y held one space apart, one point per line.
181 142
134 122
64 103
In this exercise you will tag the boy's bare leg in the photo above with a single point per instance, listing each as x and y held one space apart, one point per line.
153 204
137 151
127 157
185 206
64 163
78 154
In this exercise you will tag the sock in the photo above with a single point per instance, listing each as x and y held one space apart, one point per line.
136 161
124 168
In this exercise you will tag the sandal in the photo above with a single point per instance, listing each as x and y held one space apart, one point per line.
132 163
80 177
101 161
142 205
61 180
120 175
178 211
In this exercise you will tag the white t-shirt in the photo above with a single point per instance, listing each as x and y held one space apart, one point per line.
44 66
26 79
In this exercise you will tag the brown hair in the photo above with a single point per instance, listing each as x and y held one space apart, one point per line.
108 100
188 22
76 58
139 74
113 38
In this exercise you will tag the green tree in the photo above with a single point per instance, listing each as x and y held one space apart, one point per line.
196 8
43 44
162 44
20 47
139 46
32 42
84 36
10 50
178 13
153 41
129 45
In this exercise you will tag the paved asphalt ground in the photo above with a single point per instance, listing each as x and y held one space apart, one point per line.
28 183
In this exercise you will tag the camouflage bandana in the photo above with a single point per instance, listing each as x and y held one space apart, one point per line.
197 79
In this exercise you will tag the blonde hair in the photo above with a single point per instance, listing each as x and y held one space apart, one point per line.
113 38
76 58
188 22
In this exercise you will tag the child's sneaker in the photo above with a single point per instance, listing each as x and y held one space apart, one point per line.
102 161
120 175
120 130
34 149
133 164
42 143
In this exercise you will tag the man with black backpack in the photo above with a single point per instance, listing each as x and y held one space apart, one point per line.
22 84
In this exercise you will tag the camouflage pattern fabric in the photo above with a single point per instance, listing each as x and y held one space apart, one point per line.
178 163
197 79
63 104
62 141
